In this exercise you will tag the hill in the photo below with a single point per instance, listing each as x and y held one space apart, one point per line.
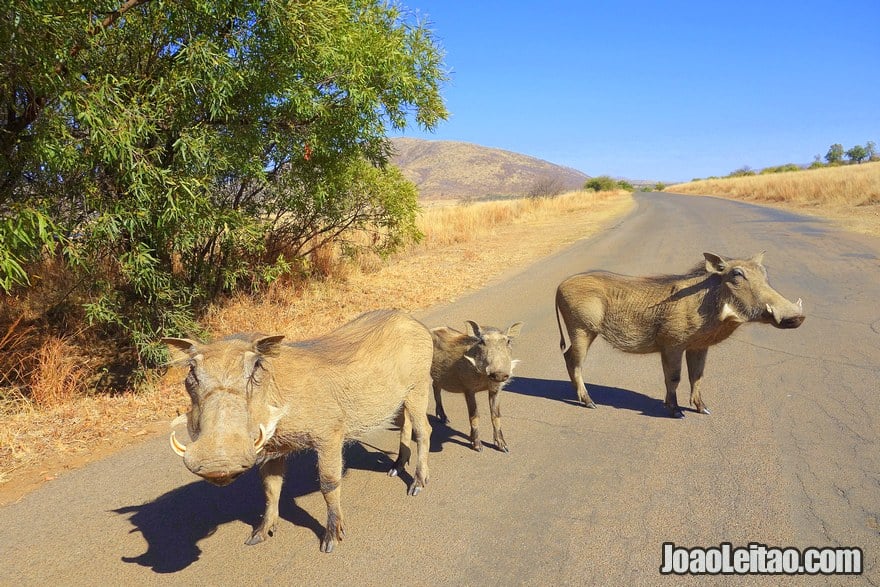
455 170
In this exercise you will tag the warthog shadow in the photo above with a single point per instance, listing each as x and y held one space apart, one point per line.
442 433
603 395
174 523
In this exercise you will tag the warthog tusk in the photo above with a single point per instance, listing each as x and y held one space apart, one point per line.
260 442
180 449
774 314
800 304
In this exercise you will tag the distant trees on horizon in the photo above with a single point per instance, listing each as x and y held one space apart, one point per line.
835 156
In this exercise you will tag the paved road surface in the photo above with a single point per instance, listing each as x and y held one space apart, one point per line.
789 456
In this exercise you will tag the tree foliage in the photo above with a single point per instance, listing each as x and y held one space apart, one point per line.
170 151
857 154
835 154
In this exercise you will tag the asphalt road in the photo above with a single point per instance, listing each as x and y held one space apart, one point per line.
788 457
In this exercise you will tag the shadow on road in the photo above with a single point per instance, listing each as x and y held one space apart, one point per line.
174 523
615 397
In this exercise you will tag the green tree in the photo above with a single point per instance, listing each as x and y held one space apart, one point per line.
857 154
169 152
834 155
871 150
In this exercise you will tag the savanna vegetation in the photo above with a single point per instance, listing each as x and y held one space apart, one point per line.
158 156
849 194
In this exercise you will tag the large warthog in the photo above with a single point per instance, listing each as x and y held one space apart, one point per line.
469 364
255 400
673 315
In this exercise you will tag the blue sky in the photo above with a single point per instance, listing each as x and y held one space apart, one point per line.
664 91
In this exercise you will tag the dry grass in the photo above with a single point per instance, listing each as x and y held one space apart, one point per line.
466 246
849 195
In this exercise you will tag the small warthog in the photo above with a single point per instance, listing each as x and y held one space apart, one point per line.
255 400
468 364
673 315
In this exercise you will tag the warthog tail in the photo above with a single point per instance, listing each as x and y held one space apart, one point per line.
562 345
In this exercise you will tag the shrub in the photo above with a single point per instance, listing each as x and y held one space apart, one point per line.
781 169
743 171
605 183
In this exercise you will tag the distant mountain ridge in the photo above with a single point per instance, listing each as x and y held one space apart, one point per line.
458 170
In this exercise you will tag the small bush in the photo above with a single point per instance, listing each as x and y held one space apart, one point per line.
605 183
781 169
744 171
546 187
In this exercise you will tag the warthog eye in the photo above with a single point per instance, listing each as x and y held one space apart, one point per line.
255 378
737 272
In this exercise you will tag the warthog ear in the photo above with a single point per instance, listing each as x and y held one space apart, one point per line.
759 258
514 329
476 328
715 263
182 344
267 344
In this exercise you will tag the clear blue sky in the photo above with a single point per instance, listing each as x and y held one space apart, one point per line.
663 90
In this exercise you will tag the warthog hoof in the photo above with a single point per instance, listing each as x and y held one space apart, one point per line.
260 535
478 445
705 410
393 472
331 536
414 489
676 413
591 405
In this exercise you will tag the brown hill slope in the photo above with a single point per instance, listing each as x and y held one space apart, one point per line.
454 170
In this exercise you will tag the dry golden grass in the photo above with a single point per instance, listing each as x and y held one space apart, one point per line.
466 246
849 195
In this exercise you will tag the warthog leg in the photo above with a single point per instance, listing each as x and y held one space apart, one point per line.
403 450
696 362
416 406
441 413
671 360
574 358
272 474
474 415
495 409
330 475
415 425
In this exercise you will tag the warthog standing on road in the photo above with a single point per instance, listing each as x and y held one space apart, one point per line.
673 315
255 400
468 364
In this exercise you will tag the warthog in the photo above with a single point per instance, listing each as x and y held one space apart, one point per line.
468 364
255 400
673 315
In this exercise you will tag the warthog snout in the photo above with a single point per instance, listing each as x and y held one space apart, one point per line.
499 377
791 316
220 478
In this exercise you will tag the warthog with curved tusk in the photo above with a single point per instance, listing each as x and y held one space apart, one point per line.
468 364
255 400
673 315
